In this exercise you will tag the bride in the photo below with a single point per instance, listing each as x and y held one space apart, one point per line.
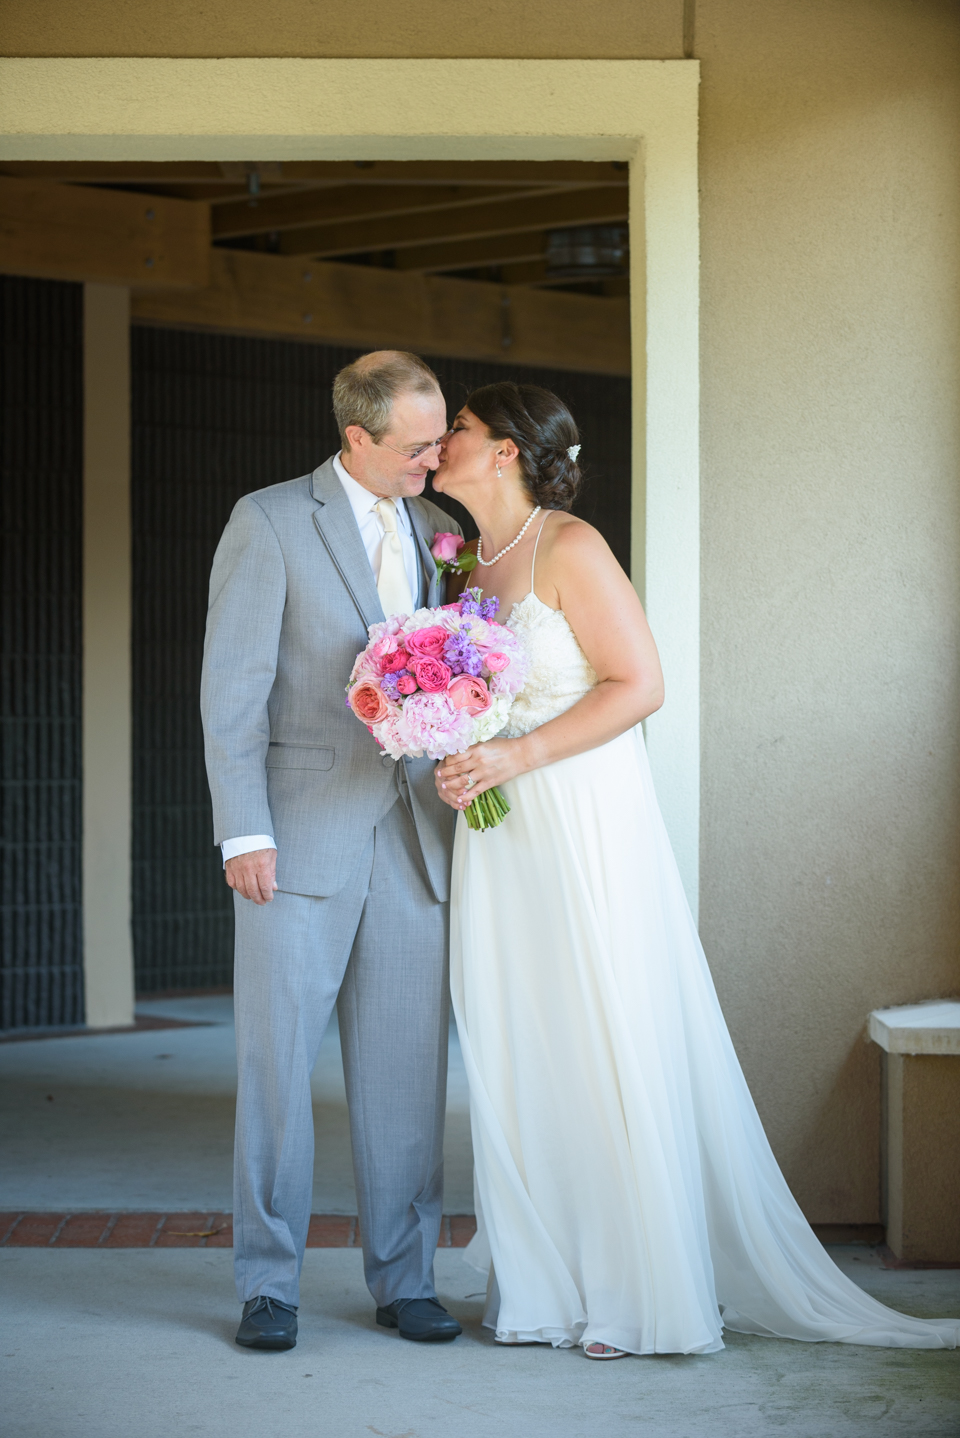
630 1198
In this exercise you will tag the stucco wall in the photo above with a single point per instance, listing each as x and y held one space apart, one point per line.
830 171
428 29
831 592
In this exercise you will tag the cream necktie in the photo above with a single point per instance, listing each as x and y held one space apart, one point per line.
393 585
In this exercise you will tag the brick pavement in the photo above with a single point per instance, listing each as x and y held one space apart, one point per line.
184 1230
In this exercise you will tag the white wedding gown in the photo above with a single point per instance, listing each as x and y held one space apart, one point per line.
624 1182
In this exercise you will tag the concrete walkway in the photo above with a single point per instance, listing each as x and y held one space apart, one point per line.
138 1343
145 1120
135 1344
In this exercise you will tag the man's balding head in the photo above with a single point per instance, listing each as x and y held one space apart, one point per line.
365 391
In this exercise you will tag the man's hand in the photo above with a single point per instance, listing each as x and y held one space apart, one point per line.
253 875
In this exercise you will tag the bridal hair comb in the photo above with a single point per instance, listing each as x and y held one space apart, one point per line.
573 451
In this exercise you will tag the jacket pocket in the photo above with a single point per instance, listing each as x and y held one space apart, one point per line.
299 756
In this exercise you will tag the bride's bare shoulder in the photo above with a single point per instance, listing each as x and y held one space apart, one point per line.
573 541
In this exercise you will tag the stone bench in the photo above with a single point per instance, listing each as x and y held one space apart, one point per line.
920 1137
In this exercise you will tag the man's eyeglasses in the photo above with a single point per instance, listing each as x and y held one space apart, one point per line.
413 453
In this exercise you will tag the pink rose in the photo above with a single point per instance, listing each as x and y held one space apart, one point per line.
470 694
496 661
446 547
432 676
406 684
395 661
427 643
368 702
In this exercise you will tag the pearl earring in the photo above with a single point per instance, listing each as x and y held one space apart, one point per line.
499 474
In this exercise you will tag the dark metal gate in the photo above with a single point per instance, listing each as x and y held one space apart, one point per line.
41 493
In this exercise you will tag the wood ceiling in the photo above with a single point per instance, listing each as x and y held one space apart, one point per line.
407 229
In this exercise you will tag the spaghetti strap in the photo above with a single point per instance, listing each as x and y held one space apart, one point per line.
533 561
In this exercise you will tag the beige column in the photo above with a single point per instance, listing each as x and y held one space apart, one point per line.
107 942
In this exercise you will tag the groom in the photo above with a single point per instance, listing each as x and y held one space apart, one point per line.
339 858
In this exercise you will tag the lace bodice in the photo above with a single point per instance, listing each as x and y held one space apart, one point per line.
560 672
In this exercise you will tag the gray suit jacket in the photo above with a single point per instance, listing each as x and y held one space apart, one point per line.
291 596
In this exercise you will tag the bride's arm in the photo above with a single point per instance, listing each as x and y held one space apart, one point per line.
605 614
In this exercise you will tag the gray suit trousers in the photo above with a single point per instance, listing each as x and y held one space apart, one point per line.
378 949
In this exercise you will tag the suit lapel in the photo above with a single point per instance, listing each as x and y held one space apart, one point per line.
338 530
424 531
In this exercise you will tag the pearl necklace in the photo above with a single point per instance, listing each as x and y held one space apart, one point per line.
489 563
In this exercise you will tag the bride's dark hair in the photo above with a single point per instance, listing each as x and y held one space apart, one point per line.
543 430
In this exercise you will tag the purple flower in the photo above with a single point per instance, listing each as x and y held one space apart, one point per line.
388 683
472 602
462 656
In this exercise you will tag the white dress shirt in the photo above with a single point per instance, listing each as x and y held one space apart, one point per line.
370 525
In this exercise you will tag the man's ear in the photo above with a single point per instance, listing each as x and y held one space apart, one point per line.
354 436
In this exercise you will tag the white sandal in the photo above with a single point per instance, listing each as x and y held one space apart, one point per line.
606 1351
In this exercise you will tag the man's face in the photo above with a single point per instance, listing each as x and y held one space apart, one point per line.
386 468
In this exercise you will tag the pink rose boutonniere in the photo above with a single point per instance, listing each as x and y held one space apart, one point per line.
449 556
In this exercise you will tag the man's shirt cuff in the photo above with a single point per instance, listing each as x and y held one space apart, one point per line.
231 848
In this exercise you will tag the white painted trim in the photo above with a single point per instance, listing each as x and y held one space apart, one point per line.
644 111
107 944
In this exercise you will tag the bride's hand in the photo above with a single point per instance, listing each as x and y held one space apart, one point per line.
487 765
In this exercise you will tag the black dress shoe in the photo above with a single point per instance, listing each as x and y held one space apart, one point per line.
422 1319
267 1323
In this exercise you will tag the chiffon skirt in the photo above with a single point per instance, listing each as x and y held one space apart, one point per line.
625 1186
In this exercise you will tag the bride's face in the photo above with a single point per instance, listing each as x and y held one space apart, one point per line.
468 458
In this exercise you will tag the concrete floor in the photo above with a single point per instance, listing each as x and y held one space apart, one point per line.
145 1120
139 1343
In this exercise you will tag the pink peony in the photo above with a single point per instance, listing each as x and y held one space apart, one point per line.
469 694
427 643
496 661
407 684
368 702
430 724
432 676
446 547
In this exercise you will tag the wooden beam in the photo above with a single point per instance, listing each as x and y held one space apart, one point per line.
471 254
302 209
504 216
68 232
374 308
523 173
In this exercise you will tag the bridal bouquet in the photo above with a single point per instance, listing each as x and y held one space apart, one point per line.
438 681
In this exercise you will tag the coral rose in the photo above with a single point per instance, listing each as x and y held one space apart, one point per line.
427 643
432 676
368 702
470 693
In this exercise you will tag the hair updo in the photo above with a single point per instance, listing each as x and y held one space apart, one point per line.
543 430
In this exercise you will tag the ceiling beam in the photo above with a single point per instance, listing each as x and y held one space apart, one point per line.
523 173
368 307
471 254
69 232
305 208
504 216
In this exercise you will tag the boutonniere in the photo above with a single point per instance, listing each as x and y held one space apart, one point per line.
450 555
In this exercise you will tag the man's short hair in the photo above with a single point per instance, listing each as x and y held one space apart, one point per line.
364 392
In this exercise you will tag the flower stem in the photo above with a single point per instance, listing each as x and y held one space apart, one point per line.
487 810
